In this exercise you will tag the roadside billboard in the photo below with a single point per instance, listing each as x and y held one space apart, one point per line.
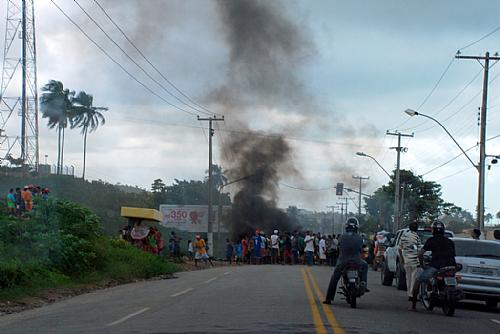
189 218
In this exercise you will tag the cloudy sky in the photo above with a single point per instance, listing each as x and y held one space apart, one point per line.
330 76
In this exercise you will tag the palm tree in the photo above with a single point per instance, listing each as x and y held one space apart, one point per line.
218 177
87 117
56 105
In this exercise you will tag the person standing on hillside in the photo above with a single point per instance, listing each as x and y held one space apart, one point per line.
11 202
19 201
28 199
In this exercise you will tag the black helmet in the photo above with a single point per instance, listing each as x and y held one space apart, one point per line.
438 228
352 225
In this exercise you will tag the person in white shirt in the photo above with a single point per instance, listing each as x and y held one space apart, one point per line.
309 249
275 247
322 250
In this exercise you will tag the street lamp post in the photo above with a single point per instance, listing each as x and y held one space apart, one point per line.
479 167
362 154
396 186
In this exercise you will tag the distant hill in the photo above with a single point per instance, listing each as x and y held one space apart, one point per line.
102 198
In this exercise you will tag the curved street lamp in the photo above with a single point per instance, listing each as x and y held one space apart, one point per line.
479 167
362 154
412 113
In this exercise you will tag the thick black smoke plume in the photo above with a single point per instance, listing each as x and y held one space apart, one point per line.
259 162
265 50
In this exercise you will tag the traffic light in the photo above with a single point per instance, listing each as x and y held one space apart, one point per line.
339 189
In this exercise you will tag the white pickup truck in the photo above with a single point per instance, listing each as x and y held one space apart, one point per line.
392 268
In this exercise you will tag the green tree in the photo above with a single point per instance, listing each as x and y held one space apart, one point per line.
456 219
488 218
219 178
191 193
422 199
293 214
87 117
158 186
57 107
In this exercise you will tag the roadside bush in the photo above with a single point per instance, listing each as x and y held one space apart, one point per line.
63 242
122 261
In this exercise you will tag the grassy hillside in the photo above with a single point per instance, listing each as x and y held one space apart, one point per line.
62 246
102 198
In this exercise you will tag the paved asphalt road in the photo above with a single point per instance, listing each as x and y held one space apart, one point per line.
245 299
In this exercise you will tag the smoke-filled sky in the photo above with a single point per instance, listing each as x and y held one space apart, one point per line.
330 77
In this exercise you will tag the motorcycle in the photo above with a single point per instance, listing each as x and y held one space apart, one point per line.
352 287
442 290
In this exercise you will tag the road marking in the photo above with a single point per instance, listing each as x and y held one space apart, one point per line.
210 280
328 312
181 293
125 318
318 323
226 273
495 321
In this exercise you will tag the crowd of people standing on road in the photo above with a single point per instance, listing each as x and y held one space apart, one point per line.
284 248
21 200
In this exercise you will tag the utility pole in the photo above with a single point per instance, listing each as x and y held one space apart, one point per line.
333 207
482 136
360 178
397 209
210 213
401 206
341 210
344 205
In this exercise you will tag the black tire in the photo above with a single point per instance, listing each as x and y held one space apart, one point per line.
425 297
400 277
386 276
449 305
492 303
352 292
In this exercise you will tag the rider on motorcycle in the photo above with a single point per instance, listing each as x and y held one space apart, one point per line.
350 251
443 255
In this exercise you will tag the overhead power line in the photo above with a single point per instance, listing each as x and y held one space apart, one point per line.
437 84
117 63
454 174
255 134
455 157
428 96
135 62
480 39
151 63
305 189
449 103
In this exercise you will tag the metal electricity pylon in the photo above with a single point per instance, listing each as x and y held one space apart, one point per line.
18 90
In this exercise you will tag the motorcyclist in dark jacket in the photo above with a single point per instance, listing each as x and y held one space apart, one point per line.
350 251
443 255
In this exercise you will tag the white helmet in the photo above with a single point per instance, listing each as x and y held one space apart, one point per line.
275 231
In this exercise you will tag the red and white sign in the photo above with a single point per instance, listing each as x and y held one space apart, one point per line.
189 218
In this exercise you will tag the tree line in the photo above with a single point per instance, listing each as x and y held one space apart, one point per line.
420 201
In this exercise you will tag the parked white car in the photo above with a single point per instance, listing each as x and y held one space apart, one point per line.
479 278
392 268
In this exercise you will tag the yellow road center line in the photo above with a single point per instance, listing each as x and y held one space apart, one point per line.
326 308
318 323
